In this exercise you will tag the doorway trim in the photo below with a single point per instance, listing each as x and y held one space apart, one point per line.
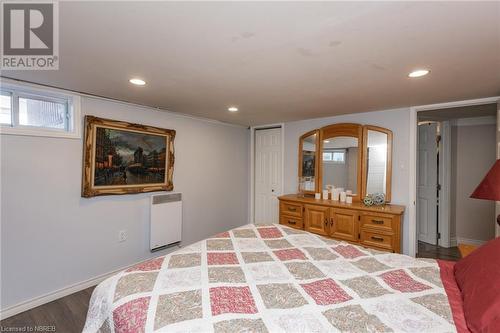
412 212
252 163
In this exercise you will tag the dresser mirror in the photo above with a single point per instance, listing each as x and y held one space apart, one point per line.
341 157
349 156
308 166
377 161
340 162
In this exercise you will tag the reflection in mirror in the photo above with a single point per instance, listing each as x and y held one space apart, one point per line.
340 162
309 162
376 163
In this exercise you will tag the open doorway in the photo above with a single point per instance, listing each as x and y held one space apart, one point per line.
455 149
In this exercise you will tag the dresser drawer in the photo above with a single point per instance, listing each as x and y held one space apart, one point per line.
290 209
376 239
377 221
292 221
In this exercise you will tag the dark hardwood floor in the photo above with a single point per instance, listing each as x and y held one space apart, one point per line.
436 252
65 315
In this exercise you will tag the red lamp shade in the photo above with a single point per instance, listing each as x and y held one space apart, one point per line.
489 188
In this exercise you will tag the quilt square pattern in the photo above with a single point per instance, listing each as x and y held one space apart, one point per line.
366 287
150 265
134 309
269 277
251 257
270 232
177 307
135 283
244 233
290 254
348 251
325 292
221 258
226 274
232 300
185 260
278 243
401 281
304 270
219 244
281 296
224 234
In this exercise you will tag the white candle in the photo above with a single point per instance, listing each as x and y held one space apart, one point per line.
335 194
325 194
317 196
348 199
343 196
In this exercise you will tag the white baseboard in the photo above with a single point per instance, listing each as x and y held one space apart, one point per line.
475 242
52 296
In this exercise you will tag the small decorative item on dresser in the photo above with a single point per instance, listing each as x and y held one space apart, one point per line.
368 200
317 196
379 199
343 196
335 194
348 199
325 194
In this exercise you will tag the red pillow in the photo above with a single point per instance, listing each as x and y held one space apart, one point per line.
478 277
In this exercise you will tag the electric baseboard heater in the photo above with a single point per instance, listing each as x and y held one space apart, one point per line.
165 220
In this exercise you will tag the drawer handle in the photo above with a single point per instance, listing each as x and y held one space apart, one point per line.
292 209
326 222
331 221
378 222
292 222
378 239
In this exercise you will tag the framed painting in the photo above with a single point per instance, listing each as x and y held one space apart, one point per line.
124 158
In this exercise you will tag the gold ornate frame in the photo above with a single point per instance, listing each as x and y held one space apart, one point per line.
88 188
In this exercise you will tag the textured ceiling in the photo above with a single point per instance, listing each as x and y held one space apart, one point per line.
277 61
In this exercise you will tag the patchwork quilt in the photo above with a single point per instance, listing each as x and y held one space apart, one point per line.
271 278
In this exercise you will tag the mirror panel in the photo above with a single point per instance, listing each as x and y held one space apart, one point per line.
377 161
340 162
308 161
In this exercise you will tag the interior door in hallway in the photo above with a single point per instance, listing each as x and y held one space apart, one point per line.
427 176
268 168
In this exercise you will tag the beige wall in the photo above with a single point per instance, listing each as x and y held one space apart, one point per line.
473 154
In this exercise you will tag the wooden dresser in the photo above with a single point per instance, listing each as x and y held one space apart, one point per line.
377 227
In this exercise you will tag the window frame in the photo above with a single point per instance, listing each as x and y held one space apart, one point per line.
331 152
72 125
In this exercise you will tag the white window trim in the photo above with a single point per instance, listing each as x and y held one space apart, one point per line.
74 106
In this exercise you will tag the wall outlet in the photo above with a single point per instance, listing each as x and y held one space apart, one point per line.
122 236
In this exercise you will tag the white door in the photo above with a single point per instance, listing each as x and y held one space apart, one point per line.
267 174
427 183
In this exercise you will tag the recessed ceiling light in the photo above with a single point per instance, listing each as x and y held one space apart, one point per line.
419 73
232 109
137 82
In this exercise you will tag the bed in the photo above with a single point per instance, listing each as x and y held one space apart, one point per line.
272 278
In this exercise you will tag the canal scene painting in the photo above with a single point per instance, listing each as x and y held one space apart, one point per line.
125 158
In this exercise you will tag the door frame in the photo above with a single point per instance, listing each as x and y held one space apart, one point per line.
251 218
412 212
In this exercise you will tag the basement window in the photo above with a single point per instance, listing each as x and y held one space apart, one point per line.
27 110
334 156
